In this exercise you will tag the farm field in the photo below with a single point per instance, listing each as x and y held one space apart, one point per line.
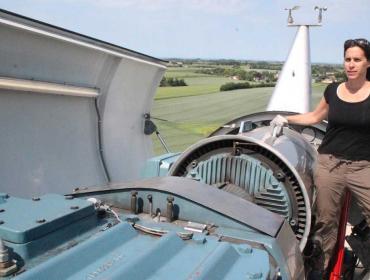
190 113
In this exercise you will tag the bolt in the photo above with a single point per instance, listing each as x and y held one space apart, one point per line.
293 222
169 213
4 253
74 207
68 197
280 176
40 221
133 201
35 198
159 216
150 198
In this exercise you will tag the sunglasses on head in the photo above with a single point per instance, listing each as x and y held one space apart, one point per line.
357 42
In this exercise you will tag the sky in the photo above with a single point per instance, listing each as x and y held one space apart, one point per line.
208 29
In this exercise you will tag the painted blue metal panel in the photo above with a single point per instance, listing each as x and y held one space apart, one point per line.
25 220
159 166
123 253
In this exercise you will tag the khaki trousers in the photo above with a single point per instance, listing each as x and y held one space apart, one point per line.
333 176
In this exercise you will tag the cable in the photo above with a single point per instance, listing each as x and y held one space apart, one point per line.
100 145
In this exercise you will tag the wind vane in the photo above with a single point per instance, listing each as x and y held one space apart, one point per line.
320 12
290 18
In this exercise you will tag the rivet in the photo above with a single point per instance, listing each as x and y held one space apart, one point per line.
74 207
40 221
35 198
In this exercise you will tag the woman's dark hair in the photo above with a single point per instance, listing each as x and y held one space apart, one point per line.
362 44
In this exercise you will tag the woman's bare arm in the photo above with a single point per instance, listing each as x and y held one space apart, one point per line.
314 117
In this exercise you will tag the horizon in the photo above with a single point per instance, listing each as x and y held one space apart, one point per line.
242 60
206 29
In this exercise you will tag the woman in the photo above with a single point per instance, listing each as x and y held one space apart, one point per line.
344 155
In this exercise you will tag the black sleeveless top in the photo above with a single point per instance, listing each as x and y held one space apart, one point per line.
348 131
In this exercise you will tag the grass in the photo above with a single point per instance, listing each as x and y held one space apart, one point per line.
194 111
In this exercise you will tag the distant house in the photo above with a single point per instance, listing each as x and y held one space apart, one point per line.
329 78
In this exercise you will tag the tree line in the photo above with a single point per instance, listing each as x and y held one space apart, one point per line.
172 82
232 86
240 74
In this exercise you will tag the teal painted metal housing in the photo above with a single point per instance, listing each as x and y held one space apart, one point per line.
25 220
33 226
123 253
83 239
159 166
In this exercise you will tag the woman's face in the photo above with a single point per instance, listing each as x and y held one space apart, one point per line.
355 63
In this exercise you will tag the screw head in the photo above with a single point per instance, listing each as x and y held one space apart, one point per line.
280 176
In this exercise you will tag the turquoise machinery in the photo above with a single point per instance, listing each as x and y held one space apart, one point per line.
73 113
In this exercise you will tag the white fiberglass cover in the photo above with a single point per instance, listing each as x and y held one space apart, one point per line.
292 92
55 85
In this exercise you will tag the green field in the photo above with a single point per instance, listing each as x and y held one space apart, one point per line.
192 112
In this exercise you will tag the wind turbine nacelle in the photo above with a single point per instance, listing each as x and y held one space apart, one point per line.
274 173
